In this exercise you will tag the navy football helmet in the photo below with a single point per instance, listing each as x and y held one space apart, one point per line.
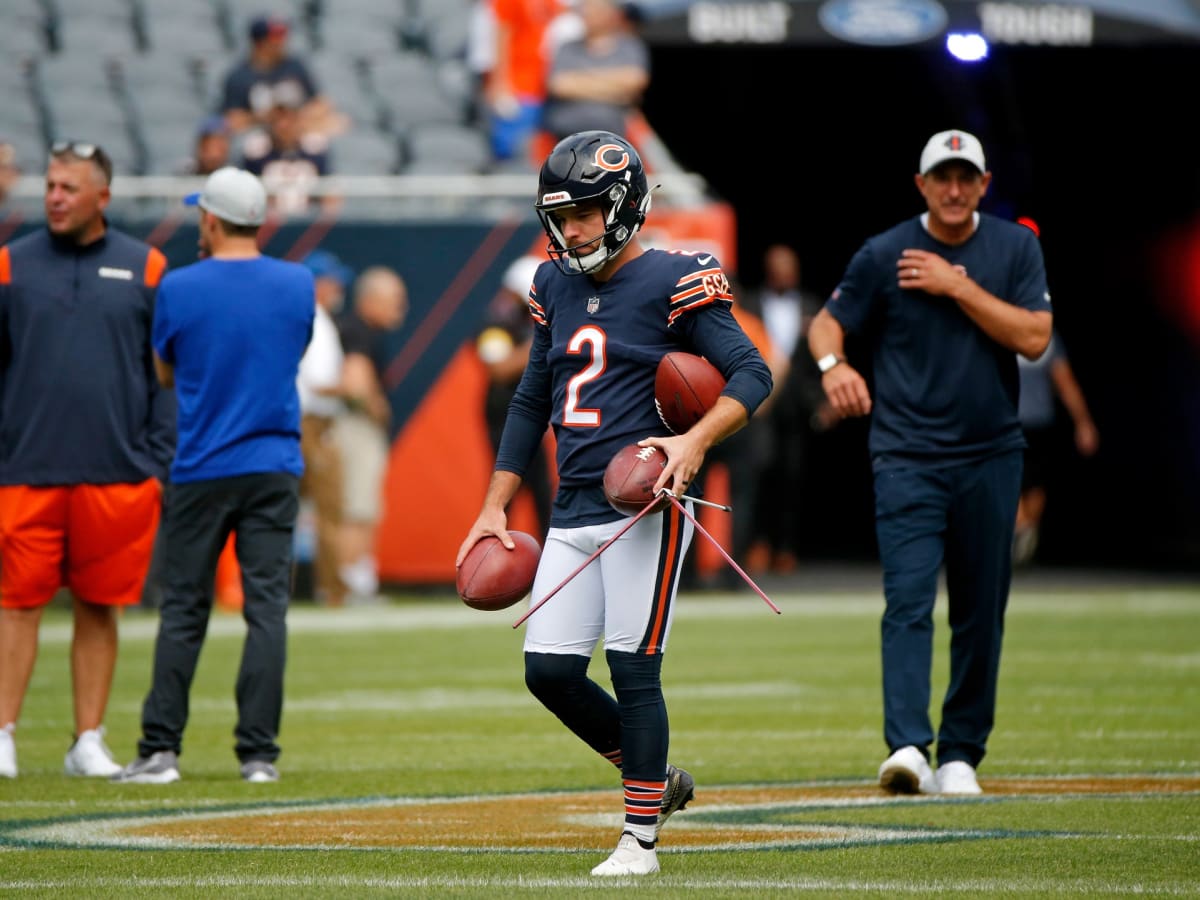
592 166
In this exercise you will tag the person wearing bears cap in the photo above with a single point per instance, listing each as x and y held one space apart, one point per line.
229 333
944 302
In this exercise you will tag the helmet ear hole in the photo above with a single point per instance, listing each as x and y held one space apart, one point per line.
603 167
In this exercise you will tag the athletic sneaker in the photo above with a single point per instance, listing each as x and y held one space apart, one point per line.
957 777
907 772
630 858
90 756
259 771
680 790
161 767
8 752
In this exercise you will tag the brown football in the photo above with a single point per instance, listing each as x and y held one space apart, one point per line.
493 577
630 476
685 388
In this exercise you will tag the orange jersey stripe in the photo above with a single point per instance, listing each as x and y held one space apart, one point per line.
5 266
156 264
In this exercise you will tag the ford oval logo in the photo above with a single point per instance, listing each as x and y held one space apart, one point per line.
883 22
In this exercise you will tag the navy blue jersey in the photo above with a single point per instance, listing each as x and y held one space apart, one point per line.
596 348
943 390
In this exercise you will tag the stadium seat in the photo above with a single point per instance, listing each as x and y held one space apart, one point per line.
411 92
442 149
192 29
366 153
26 31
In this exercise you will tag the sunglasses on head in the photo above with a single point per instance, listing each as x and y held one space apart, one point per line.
82 149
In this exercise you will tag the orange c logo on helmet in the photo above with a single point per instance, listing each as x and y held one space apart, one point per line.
606 149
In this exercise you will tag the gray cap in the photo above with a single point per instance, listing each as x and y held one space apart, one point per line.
234 195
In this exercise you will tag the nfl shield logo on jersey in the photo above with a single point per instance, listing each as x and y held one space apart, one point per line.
593 305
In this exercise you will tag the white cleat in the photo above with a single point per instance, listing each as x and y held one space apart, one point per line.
907 772
957 777
8 753
89 756
630 858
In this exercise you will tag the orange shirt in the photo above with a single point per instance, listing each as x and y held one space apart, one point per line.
526 22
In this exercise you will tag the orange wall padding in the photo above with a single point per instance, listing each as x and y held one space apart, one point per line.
437 475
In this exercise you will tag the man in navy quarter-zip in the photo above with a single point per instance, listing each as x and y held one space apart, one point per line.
86 437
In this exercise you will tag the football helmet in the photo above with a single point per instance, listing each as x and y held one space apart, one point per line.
592 166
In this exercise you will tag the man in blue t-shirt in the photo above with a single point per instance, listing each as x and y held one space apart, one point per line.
944 301
228 334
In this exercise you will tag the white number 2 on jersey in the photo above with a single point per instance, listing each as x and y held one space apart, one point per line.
587 337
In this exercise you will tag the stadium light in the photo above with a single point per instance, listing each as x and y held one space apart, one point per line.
967 46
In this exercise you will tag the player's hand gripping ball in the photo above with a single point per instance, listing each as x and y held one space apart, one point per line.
685 387
630 476
493 577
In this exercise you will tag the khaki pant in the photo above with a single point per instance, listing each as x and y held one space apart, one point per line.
322 484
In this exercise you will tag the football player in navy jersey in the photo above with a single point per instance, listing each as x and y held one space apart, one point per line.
945 300
606 310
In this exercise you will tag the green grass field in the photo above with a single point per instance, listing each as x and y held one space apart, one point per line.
1092 780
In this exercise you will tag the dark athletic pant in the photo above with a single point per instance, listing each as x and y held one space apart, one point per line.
962 516
261 509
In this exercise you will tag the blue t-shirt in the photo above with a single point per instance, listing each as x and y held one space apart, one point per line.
944 392
235 330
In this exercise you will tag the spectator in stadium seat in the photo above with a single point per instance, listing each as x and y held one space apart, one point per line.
270 73
596 81
88 437
290 161
210 149
516 84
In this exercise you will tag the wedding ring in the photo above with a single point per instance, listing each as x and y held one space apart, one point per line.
912 273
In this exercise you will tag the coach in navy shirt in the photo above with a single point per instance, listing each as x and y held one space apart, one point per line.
945 301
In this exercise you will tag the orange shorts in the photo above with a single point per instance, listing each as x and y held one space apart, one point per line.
95 539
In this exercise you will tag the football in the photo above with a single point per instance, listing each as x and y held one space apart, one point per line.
630 476
685 388
493 577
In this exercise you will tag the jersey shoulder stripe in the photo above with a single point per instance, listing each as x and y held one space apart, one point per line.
699 287
535 308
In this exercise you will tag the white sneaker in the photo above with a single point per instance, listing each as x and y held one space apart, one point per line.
957 777
907 772
8 752
361 577
90 756
630 858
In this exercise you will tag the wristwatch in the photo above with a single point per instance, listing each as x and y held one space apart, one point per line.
828 361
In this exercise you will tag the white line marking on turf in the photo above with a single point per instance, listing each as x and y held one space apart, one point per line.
450 613
1029 886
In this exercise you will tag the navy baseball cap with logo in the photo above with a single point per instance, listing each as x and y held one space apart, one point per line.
953 144
233 195
268 26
